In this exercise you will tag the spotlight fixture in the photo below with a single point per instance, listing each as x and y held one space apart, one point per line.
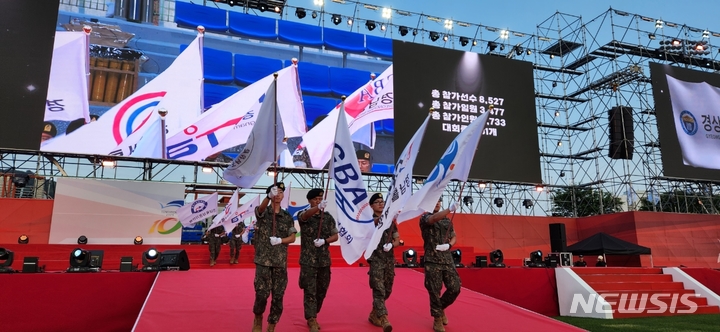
207 169
277 9
175 260
336 19
482 185
492 46
150 260
82 239
445 38
536 259
6 259
554 84
109 163
318 3
138 240
263 7
474 42
300 13
383 27
557 113
314 14
20 180
528 52
498 202
552 56
468 200
23 239
403 30
370 25
527 203
519 50
415 32
434 36
562 174
502 47
559 143
539 188
658 24
651 36
706 34
82 260
232 3
410 258
457 257
349 21
496 258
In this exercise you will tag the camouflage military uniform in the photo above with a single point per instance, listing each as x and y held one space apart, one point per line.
382 270
439 265
271 262
315 261
215 241
236 241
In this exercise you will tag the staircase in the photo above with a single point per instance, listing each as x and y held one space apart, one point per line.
643 292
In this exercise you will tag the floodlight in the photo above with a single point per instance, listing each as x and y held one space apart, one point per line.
527 203
82 239
23 239
370 25
410 258
464 41
445 37
300 13
403 30
336 19
498 202
82 260
314 14
138 240
383 27
496 258
468 200
457 258
434 36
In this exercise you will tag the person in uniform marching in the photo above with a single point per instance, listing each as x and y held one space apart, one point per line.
382 267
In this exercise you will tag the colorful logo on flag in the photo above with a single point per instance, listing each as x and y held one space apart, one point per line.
159 225
198 206
688 122
134 114
445 164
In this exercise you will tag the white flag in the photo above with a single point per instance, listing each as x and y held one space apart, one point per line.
228 124
455 164
235 215
371 102
227 212
116 132
354 216
67 97
262 147
400 187
696 112
150 144
190 214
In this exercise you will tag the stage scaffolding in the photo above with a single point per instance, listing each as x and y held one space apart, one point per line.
582 69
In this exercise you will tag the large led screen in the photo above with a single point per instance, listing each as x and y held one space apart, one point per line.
460 86
687 104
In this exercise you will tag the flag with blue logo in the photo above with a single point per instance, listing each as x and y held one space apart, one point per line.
190 214
354 215
454 164
400 187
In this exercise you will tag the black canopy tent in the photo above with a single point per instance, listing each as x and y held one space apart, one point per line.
604 244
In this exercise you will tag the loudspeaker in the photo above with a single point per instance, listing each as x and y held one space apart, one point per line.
30 265
622 137
558 242
174 258
481 261
126 264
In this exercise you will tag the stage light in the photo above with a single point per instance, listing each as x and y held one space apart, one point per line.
457 258
387 13
559 143
154 260
504 34
492 46
706 34
498 202
370 25
496 258
658 24
318 3
82 260
23 239
676 43
519 50
502 47
82 239
415 32
482 185
277 9
536 259
263 7
434 36
474 42
207 169
528 52
382 27
552 56
403 30
314 14
336 19
20 180
557 113
6 260
300 13
448 24
562 174
109 163
468 200
651 36
231 3
349 21
138 240
527 203
445 38
150 260
539 188
410 258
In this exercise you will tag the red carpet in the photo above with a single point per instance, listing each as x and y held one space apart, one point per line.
221 300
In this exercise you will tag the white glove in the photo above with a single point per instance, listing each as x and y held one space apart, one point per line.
453 207
387 247
273 192
322 205
442 247
275 240
319 242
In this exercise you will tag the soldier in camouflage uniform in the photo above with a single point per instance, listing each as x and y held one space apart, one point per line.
438 237
382 267
316 234
274 230
214 238
236 242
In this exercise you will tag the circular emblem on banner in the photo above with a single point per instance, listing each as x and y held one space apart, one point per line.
688 122
134 114
198 206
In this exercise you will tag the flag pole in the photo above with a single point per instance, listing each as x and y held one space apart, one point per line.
163 112
462 186
327 184
201 45
87 30
275 153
